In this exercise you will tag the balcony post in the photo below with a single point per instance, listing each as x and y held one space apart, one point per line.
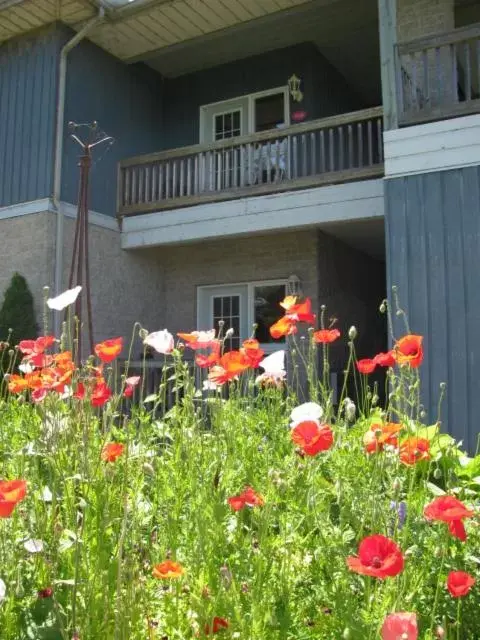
387 18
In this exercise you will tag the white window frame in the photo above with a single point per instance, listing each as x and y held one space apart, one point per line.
250 115
268 347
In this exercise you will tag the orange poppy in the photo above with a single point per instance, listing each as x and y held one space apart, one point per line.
17 384
230 365
209 360
198 339
414 450
408 350
286 326
111 451
167 570
302 312
251 350
11 492
380 435
326 336
108 350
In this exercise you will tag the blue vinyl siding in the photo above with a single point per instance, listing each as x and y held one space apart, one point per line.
28 74
433 250
325 89
126 102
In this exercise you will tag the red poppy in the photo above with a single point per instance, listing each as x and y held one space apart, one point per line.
380 435
312 437
39 360
413 450
79 393
39 395
31 347
400 626
167 570
210 359
45 593
111 451
11 492
286 326
251 350
408 350
459 583
378 556
108 350
217 625
450 510
100 394
366 366
301 312
248 498
326 336
128 391
385 359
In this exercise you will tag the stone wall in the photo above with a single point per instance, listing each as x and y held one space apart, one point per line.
27 247
126 287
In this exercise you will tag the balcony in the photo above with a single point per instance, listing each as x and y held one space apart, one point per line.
439 77
327 151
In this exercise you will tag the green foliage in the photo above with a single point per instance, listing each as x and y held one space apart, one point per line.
17 311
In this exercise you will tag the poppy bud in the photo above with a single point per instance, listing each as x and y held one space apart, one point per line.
347 634
437 474
148 469
440 632
383 306
230 332
352 332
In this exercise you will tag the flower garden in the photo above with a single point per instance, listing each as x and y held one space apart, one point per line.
239 510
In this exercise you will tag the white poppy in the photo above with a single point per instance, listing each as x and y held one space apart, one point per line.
3 590
64 300
26 367
208 385
161 341
34 546
274 363
306 411
47 495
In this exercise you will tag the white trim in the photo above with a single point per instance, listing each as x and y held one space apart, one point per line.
25 208
280 212
436 146
268 347
250 115
95 218
45 205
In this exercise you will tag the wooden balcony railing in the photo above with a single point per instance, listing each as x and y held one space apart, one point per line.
439 76
327 151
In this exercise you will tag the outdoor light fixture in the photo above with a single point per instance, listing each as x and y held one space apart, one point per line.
294 88
294 286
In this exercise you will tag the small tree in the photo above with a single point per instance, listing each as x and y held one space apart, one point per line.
17 312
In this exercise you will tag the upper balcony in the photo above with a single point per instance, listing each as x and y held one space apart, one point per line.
324 151
438 77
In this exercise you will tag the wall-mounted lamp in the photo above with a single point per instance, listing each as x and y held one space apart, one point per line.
294 83
294 286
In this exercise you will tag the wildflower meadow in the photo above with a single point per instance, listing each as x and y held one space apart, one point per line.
241 499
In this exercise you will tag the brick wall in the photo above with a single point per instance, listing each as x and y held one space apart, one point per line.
419 18
243 259
27 247
126 287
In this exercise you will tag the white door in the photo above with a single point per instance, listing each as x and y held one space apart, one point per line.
228 304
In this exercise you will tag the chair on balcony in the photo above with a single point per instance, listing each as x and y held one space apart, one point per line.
270 162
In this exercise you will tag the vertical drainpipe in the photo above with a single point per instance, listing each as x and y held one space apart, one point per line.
57 172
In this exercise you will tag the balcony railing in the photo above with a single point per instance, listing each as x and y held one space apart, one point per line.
327 151
439 76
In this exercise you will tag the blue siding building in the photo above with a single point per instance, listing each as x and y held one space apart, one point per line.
325 147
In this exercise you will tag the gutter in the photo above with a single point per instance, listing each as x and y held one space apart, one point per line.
57 172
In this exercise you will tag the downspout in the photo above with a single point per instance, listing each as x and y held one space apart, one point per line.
57 171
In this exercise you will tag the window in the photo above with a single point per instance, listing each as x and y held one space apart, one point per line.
240 306
246 114
227 125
